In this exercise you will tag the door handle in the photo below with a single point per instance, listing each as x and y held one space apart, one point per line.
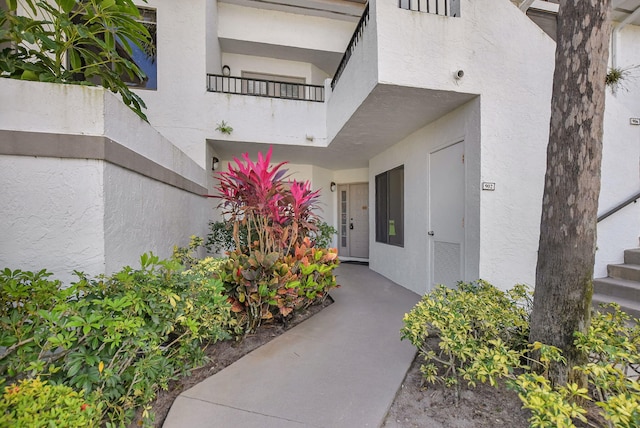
431 233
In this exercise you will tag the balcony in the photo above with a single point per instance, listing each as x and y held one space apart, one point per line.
437 7
264 88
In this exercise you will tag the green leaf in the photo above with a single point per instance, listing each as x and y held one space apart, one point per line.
74 59
263 290
29 75
67 5
270 260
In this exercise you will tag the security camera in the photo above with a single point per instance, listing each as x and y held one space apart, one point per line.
458 74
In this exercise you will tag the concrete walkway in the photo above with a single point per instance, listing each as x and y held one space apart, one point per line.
340 368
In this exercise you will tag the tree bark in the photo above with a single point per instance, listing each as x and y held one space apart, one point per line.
566 254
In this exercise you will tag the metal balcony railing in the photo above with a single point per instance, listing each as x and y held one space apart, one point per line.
436 7
357 35
264 88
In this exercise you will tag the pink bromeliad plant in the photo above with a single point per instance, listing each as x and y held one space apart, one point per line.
279 270
277 213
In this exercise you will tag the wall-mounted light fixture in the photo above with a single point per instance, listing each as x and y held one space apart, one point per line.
226 71
333 186
215 162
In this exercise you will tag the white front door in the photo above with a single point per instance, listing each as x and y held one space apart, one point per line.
353 216
446 214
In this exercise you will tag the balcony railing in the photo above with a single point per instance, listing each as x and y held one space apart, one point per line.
437 7
264 88
357 35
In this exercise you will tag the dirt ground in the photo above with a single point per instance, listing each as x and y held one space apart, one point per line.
420 404
434 406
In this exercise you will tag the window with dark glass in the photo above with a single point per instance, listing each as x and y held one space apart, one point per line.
145 58
390 207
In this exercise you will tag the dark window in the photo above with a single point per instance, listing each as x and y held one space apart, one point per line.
390 207
145 59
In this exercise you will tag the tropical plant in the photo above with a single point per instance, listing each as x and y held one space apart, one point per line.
263 287
276 269
277 212
74 41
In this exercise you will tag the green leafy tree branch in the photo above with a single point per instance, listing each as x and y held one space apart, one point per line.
87 42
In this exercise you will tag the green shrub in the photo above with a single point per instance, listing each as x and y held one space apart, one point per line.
612 343
482 336
121 337
35 403
220 237
473 322
267 286
323 236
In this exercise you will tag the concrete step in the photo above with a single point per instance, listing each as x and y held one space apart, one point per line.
617 288
624 271
631 307
632 257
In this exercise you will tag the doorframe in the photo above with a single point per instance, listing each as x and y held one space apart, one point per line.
463 254
338 208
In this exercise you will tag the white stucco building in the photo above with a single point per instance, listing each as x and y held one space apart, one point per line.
430 116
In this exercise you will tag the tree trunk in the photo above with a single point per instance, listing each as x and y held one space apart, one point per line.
563 291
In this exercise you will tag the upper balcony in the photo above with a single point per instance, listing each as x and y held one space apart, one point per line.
359 106
404 64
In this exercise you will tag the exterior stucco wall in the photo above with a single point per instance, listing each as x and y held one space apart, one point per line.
142 215
278 67
628 58
358 78
273 27
321 179
76 115
51 215
620 180
214 65
621 158
348 176
90 199
410 265
177 107
509 61
266 120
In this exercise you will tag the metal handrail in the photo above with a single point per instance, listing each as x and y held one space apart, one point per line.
264 88
633 199
355 38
